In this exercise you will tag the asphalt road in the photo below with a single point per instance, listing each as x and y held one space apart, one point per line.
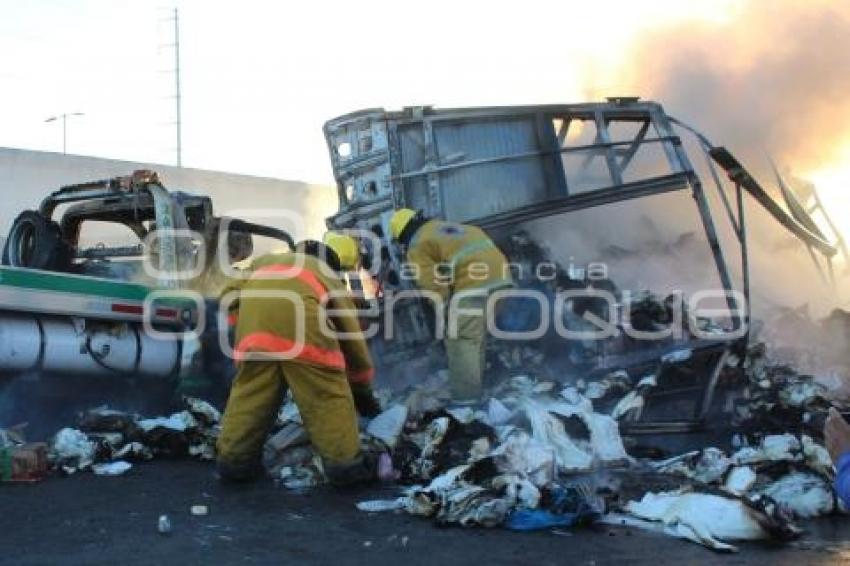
86 519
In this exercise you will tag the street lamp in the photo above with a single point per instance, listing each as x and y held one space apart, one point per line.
64 118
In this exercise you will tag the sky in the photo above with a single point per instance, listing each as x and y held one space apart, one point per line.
260 78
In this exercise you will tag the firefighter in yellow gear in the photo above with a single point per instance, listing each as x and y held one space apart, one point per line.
297 329
452 259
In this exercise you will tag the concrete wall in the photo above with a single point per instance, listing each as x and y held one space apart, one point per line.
27 176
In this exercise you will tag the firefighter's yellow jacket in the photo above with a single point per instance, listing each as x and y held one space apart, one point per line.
294 325
447 257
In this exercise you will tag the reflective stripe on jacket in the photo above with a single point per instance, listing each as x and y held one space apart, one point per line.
288 326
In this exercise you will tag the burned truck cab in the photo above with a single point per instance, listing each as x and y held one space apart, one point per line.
140 305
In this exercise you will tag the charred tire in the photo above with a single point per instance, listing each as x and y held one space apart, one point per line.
35 241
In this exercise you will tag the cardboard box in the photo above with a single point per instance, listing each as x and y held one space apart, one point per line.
24 463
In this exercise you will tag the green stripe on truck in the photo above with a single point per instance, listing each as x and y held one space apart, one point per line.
63 282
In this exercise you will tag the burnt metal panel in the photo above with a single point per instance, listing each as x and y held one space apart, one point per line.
739 175
413 155
572 203
488 188
467 164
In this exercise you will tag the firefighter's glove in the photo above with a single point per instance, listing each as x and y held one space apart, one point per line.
364 400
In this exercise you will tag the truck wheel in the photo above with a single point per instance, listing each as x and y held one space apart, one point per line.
35 241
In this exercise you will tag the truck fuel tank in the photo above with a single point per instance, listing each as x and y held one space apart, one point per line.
68 345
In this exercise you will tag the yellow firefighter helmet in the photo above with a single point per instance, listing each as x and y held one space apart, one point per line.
399 221
345 248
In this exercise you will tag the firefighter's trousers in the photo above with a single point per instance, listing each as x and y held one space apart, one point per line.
465 350
324 400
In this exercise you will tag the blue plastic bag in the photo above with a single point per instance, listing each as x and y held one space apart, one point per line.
567 508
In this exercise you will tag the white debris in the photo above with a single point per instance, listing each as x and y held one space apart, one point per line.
110 439
648 381
519 491
387 426
543 387
708 465
547 429
433 436
4 439
163 524
305 475
801 393
617 380
747 455
807 495
116 468
202 451
596 390
773 448
711 466
447 479
298 478
278 447
706 519
571 395
180 422
677 356
463 415
382 505
429 396
817 457
552 432
781 447
606 444
473 506
523 383
497 413
676 464
480 448
631 401
73 446
199 510
521 455
288 413
605 438
293 457
740 480
199 407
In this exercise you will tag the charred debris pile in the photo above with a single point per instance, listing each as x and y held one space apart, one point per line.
539 453
543 454
691 438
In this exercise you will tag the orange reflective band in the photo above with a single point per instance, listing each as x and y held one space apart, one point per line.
361 376
289 349
282 271
232 319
